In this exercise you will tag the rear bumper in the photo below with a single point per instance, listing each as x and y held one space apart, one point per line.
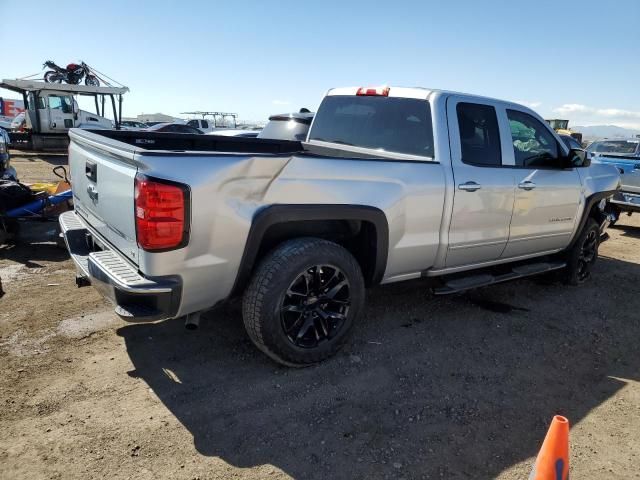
628 202
136 298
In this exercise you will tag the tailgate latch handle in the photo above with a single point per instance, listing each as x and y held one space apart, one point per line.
91 171
93 192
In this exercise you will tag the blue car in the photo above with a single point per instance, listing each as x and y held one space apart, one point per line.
625 155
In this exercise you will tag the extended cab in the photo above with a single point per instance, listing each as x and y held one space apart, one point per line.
391 184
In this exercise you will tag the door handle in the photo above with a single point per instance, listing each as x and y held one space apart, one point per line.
469 186
527 185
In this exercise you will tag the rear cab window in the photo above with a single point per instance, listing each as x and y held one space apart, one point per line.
387 124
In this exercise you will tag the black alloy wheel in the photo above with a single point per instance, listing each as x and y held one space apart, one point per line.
315 306
583 254
303 301
588 254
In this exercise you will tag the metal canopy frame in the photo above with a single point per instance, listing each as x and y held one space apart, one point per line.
32 86
216 116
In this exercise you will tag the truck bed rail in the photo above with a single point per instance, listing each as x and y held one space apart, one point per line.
202 143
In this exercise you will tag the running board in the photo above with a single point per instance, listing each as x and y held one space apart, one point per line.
483 279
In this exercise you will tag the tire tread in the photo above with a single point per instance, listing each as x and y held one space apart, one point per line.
260 287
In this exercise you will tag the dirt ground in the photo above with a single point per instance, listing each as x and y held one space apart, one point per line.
429 387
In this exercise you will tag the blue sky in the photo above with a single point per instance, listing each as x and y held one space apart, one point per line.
573 59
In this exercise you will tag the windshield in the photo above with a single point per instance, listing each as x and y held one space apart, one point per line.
558 124
622 147
397 125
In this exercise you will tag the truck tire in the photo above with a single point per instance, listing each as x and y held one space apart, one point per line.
92 81
52 76
583 254
303 301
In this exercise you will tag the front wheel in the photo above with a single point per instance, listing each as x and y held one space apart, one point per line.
53 77
583 254
92 81
303 301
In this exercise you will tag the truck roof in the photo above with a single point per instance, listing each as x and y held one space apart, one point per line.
18 85
420 93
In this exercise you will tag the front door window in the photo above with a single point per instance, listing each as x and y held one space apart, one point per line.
534 146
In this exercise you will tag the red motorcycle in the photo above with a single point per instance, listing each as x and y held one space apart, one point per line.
73 74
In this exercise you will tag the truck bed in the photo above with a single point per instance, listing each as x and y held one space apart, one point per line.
181 142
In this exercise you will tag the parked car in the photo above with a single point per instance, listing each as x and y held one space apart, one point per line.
625 156
391 184
214 123
133 125
174 128
7 172
5 122
205 125
18 123
570 141
288 126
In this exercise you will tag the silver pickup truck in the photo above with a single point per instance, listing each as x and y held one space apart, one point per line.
391 184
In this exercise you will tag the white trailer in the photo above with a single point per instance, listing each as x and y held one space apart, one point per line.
51 110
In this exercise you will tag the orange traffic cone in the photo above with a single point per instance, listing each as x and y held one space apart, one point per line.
553 459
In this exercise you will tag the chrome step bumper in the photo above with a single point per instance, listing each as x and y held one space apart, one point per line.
137 298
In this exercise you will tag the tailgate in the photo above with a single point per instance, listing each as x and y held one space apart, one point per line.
103 176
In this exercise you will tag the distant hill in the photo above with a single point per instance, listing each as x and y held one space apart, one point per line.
595 132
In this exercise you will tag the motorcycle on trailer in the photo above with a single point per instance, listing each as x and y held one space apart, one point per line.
73 74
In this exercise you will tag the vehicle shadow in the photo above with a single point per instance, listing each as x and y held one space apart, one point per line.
429 387
30 254
628 230
52 158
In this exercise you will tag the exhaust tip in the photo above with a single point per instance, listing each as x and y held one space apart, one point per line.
192 322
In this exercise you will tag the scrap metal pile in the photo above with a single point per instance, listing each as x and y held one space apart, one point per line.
40 202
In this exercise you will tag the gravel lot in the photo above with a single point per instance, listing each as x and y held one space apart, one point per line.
429 387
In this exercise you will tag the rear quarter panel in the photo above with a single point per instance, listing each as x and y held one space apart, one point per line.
228 190
225 192
411 195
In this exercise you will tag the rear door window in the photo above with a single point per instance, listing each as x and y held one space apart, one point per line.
479 134
397 125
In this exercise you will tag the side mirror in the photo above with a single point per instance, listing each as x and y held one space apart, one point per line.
577 158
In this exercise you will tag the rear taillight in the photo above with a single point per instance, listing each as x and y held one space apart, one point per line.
373 91
161 214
